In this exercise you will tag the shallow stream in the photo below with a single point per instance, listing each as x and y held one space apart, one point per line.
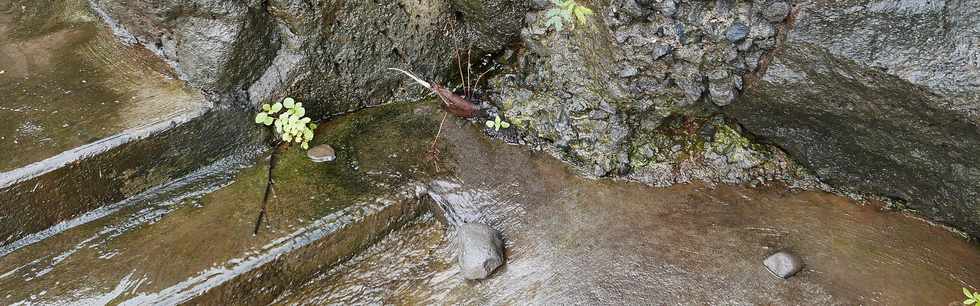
578 241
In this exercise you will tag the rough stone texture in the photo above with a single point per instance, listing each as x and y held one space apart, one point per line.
330 54
611 96
481 250
887 104
217 45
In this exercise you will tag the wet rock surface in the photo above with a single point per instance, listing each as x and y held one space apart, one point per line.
67 82
577 241
89 121
604 96
886 105
192 241
481 250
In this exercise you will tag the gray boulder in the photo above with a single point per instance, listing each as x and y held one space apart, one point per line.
481 250
888 104
783 264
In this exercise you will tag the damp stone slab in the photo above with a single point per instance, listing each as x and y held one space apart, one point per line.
67 81
197 246
89 121
571 240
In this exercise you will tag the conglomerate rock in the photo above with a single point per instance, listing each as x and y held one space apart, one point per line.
603 93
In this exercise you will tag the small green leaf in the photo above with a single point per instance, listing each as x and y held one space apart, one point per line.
308 135
969 302
276 107
269 121
490 124
568 5
554 22
306 145
581 14
287 138
566 16
552 13
313 126
260 118
967 292
266 107
504 125
288 102
300 112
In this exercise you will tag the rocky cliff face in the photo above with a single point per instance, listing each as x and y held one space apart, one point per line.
877 97
331 52
874 96
880 97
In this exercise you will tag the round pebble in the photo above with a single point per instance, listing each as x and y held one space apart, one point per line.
321 153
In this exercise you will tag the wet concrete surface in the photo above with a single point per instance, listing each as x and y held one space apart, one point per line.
194 242
577 241
66 81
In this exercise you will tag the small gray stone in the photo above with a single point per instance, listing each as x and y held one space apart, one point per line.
661 49
776 12
321 153
738 31
762 30
629 72
783 264
721 93
668 8
481 250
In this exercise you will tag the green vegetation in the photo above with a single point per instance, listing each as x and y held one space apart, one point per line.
727 140
971 298
562 13
292 126
496 124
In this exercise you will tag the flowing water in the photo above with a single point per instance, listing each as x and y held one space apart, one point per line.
577 241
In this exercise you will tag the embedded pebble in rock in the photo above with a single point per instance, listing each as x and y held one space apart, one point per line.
738 31
661 49
776 12
321 153
668 8
481 250
628 72
783 264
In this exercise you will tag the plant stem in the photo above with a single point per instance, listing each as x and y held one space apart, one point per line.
270 182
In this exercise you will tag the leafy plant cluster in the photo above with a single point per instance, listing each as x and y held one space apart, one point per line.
971 298
496 124
563 12
292 125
